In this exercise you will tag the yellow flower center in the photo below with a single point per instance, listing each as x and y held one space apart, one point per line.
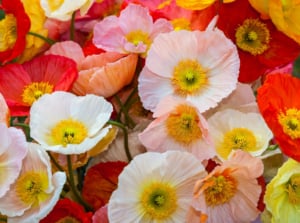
68 219
55 4
8 32
181 23
290 122
68 131
293 189
138 36
158 200
189 78
237 138
219 189
253 36
182 125
31 187
34 91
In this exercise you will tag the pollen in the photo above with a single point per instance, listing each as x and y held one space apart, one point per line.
68 219
158 200
293 189
220 188
181 24
34 91
55 4
290 122
8 32
237 138
189 78
138 36
182 125
31 187
253 36
68 131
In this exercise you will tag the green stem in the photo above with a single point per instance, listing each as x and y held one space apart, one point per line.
25 128
123 127
73 186
2 219
47 40
72 27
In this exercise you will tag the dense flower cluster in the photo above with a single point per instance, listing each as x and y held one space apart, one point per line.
149 111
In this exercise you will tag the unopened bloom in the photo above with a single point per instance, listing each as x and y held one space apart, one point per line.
132 32
36 190
155 187
200 67
65 123
13 149
230 193
282 195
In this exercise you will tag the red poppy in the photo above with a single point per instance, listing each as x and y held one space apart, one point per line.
261 46
21 85
67 210
279 105
14 26
100 181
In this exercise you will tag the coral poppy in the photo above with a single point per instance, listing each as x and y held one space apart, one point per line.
101 74
178 125
22 85
36 190
67 210
159 191
261 46
132 32
282 193
201 67
14 25
68 124
231 192
280 107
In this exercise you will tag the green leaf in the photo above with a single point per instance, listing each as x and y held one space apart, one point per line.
296 68
2 14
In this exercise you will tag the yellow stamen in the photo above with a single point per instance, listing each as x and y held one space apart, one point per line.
137 37
34 91
189 78
237 138
55 4
182 125
8 32
253 36
181 23
68 219
68 131
290 122
158 200
293 189
220 188
31 187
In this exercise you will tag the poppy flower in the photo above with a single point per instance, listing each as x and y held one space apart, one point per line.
22 85
260 45
4 111
67 210
279 105
14 25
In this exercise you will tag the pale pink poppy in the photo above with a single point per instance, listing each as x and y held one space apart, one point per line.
100 215
13 148
178 126
200 67
132 32
230 193
4 111
101 74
